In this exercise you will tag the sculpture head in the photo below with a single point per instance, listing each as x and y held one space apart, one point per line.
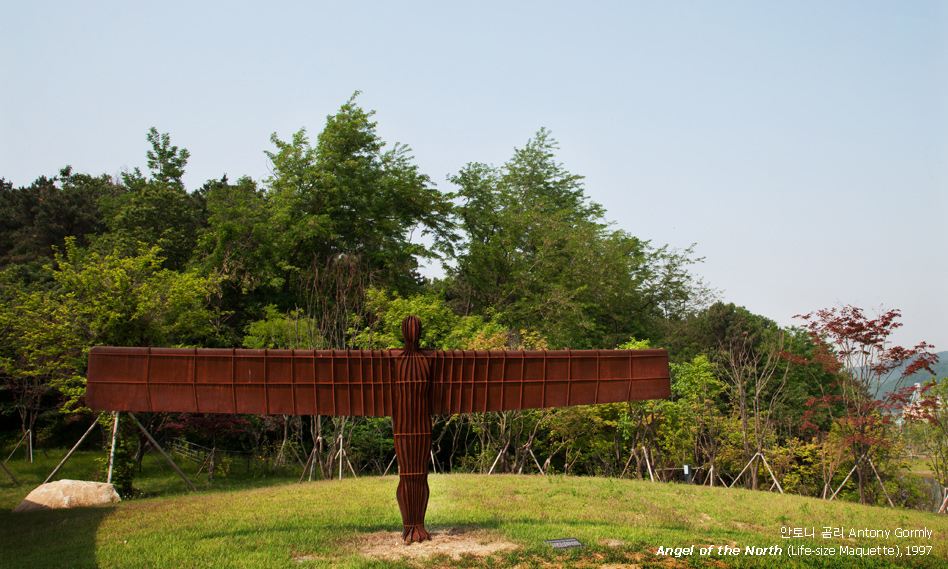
411 333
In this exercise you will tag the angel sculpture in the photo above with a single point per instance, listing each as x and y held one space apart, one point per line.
409 384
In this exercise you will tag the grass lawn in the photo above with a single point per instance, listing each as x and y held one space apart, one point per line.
922 467
622 523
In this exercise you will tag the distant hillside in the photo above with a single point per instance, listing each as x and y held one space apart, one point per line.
940 369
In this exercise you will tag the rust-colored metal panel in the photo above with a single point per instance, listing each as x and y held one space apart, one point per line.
357 382
258 382
477 381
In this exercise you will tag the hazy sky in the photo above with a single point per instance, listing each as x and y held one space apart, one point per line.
803 146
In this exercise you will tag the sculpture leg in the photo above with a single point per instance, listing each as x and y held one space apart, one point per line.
412 496
412 493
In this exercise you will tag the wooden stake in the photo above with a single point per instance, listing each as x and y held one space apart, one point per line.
879 478
627 463
499 454
742 471
155 444
309 460
115 426
10 474
648 464
157 460
12 452
537 462
771 472
73 449
389 465
855 466
342 429
203 464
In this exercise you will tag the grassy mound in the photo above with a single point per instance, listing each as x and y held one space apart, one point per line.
353 523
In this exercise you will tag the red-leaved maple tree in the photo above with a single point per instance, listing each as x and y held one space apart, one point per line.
857 348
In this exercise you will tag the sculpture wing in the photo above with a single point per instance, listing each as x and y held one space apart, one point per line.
261 382
476 381
359 383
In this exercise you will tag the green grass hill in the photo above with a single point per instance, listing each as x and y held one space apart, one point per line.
621 523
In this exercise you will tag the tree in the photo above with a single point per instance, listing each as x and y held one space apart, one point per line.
347 196
157 210
89 298
122 300
331 220
37 218
693 422
39 343
757 374
380 328
526 225
748 352
930 413
111 299
340 216
237 245
859 350
538 254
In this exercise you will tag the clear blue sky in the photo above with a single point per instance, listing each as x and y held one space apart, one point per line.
802 145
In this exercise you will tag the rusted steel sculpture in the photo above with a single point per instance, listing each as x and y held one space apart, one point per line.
409 384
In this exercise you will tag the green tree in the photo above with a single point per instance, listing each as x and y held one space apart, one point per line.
539 254
929 416
90 298
442 329
237 241
103 299
39 342
37 218
348 196
693 422
132 300
237 245
333 219
157 210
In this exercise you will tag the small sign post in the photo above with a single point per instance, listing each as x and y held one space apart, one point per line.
566 543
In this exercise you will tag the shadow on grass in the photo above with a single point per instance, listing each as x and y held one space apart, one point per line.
51 538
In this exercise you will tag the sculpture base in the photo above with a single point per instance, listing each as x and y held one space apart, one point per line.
415 533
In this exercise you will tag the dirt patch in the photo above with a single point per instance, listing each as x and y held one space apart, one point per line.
454 543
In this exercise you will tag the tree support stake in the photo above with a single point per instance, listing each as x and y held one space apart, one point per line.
13 478
115 427
855 466
648 465
155 444
26 434
73 449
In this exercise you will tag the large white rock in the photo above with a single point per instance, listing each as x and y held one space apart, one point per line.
68 494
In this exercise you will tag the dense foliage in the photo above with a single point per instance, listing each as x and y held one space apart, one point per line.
325 253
